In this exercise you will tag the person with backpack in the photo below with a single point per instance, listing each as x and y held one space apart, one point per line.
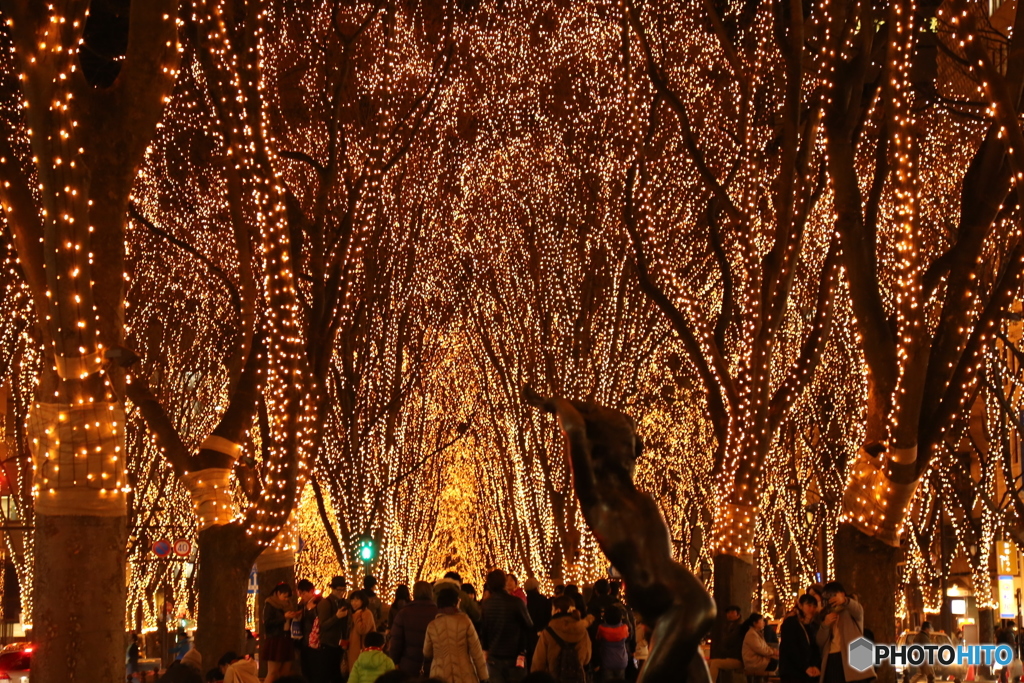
309 645
563 648
612 654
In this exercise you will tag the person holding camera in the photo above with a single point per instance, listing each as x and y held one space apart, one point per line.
842 624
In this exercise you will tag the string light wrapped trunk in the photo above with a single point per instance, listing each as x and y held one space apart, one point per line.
88 133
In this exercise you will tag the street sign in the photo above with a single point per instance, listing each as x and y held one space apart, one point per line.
162 548
1007 598
182 547
254 583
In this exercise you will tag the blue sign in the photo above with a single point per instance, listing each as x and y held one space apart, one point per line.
162 548
254 583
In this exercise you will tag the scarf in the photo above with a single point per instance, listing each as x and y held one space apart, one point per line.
283 605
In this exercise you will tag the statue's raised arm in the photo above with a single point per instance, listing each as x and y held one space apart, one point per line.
603 448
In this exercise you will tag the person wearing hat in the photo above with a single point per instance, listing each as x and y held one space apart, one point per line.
539 607
333 612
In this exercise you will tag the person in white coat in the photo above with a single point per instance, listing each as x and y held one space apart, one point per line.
758 655
451 643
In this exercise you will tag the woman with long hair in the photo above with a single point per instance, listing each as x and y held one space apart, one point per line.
361 622
277 649
402 598
799 656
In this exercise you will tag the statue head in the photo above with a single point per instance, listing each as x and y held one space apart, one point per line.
614 445
609 434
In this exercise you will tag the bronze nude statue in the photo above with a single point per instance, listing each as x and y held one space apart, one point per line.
603 448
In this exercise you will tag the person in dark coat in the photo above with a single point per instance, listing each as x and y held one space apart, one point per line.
277 648
410 627
572 592
601 600
504 627
333 613
310 657
402 598
799 657
539 607
726 643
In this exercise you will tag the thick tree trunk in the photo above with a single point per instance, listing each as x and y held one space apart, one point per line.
226 556
79 620
734 584
867 568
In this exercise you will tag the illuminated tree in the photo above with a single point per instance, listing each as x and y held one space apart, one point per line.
367 183
919 151
93 86
263 369
724 197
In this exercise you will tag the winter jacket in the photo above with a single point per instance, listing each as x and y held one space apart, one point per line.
407 634
798 650
571 630
726 643
309 615
598 604
756 652
369 666
611 646
504 624
466 603
333 628
379 611
275 623
520 593
454 649
850 627
396 607
361 622
539 608
242 671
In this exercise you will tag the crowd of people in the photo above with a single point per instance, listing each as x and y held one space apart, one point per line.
812 645
438 633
